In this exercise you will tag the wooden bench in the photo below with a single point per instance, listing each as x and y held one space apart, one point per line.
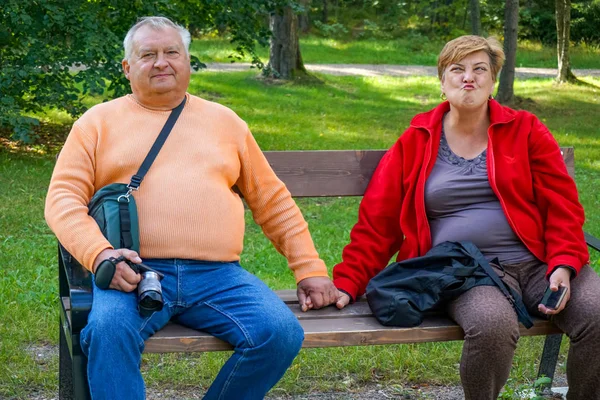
306 174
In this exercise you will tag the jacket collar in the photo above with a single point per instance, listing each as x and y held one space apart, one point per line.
431 120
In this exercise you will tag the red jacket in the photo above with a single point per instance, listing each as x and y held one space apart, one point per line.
525 170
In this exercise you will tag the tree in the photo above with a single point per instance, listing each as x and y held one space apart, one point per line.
325 13
303 17
475 17
41 40
563 34
285 60
506 93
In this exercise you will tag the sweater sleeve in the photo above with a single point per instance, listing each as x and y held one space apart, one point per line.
377 235
71 188
276 213
557 199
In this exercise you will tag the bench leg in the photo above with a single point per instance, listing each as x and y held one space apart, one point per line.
72 376
550 358
65 368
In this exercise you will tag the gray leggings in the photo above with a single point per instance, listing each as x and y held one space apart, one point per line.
492 330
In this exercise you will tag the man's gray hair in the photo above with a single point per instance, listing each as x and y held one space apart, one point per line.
156 23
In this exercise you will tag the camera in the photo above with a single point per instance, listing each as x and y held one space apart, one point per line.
149 289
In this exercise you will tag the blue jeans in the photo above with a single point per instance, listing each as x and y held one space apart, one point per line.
222 299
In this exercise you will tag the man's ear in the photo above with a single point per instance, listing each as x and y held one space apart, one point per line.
126 66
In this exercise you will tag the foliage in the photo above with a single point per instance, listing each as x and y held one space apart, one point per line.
335 30
537 22
585 19
394 19
443 20
53 56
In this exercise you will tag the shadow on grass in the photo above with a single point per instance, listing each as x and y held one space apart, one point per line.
581 82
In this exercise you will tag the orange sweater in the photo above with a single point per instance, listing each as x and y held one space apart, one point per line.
186 206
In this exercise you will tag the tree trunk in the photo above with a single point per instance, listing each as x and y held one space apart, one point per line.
475 17
285 60
506 93
303 20
325 15
563 35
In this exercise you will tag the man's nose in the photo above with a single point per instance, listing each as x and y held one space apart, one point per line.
161 61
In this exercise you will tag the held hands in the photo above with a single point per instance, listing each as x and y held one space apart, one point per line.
318 292
125 279
560 277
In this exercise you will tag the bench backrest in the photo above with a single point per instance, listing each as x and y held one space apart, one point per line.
323 173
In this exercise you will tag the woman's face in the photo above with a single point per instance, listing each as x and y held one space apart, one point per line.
468 83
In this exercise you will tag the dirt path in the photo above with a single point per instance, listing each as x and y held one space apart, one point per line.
396 70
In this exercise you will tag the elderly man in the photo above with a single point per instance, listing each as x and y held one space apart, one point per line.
191 226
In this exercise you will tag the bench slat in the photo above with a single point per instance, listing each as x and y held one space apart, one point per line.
325 173
333 332
330 327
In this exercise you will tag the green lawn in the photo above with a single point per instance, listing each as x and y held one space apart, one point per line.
340 113
406 51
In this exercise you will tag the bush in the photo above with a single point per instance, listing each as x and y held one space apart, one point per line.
585 20
334 30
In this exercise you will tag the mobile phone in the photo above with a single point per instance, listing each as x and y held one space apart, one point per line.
553 300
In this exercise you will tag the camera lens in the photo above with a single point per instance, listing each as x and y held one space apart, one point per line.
150 294
150 302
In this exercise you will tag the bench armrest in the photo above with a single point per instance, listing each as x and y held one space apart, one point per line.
75 289
592 241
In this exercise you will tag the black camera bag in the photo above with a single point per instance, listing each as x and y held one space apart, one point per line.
116 214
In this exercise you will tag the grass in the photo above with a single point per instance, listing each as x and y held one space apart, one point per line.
340 113
404 51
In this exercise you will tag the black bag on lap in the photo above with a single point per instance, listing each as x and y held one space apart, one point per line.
404 292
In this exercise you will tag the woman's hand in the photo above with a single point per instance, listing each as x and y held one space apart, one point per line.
342 300
560 277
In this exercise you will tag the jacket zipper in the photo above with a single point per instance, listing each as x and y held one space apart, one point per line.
492 179
421 185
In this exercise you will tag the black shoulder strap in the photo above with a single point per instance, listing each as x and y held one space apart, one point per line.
512 296
136 179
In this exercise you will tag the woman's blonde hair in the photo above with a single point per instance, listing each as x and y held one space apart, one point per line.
457 49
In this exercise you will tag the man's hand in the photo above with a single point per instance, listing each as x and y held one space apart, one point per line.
560 277
125 279
316 292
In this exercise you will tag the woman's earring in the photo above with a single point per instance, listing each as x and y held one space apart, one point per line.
443 96
491 97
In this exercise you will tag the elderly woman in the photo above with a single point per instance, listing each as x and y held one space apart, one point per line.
471 169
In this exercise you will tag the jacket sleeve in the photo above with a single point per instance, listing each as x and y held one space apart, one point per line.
276 213
557 199
377 235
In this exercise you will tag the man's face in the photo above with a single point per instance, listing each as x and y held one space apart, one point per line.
159 67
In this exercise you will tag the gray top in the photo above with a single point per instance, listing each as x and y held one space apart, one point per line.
461 205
